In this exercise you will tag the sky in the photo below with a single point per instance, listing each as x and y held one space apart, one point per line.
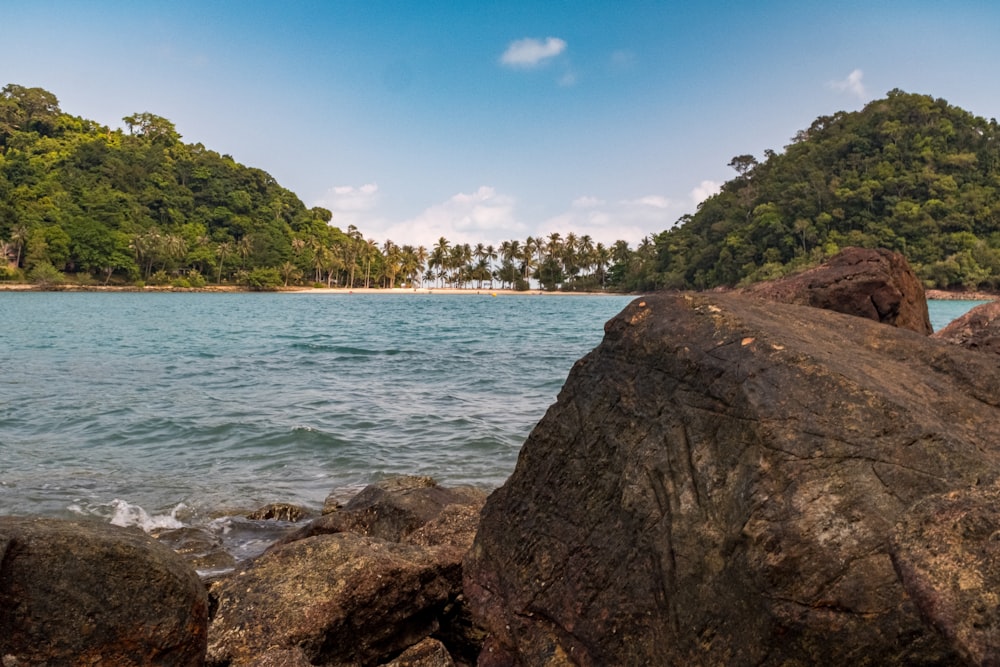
488 121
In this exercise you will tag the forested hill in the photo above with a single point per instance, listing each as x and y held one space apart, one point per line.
908 172
77 196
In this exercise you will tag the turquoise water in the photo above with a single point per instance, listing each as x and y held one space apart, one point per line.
943 312
130 405
170 410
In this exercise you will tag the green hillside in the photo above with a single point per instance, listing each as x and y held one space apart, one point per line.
140 204
908 172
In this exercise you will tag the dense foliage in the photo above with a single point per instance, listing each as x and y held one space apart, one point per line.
908 172
142 206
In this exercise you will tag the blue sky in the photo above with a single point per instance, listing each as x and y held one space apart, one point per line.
485 121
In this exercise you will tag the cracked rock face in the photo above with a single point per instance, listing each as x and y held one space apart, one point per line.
720 482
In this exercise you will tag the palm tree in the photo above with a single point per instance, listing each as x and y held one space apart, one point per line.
221 251
18 237
491 256
439 257
245 247
528 257
602 258
371 248
290 272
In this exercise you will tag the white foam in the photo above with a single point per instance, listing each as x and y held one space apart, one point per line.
127 514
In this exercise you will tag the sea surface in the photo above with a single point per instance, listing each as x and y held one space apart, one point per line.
179 410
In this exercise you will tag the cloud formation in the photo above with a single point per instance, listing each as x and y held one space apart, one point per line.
485 215
351 205
481 216
704 190
531 52
852 85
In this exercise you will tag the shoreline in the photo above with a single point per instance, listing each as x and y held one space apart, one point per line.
420 291
931 294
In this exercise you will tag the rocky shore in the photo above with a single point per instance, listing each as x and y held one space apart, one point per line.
794 474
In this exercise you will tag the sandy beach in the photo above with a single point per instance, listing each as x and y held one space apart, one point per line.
24 287
441 290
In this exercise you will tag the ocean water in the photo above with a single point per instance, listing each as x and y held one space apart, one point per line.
942 312
174 411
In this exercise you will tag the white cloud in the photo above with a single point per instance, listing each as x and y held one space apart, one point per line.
654 201
606 222
481 216
852 85
350 198
485 215
531 52
351 205
567 80
704 190
587 202
622 59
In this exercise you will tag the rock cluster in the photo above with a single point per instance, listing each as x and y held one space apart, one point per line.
376 581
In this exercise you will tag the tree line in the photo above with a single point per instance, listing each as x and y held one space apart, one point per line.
86 203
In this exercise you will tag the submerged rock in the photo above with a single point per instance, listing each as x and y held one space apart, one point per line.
875 284
978 329
718 483
75 593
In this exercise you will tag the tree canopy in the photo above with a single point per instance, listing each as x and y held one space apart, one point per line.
908 172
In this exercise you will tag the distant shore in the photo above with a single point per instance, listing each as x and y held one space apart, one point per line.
948 295
944 295
485 291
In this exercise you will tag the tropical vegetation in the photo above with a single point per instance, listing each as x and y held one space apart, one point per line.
909 172
84 202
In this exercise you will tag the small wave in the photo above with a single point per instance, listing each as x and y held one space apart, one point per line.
126 514
350 350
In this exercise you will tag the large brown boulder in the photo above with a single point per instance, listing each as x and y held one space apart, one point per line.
719 483
978 329
875 284
93 594
339 599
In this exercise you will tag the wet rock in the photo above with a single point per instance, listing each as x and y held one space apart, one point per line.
199 548
341 599
875 284
280 512
978 329
86 593
390 509
428 653
718 483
